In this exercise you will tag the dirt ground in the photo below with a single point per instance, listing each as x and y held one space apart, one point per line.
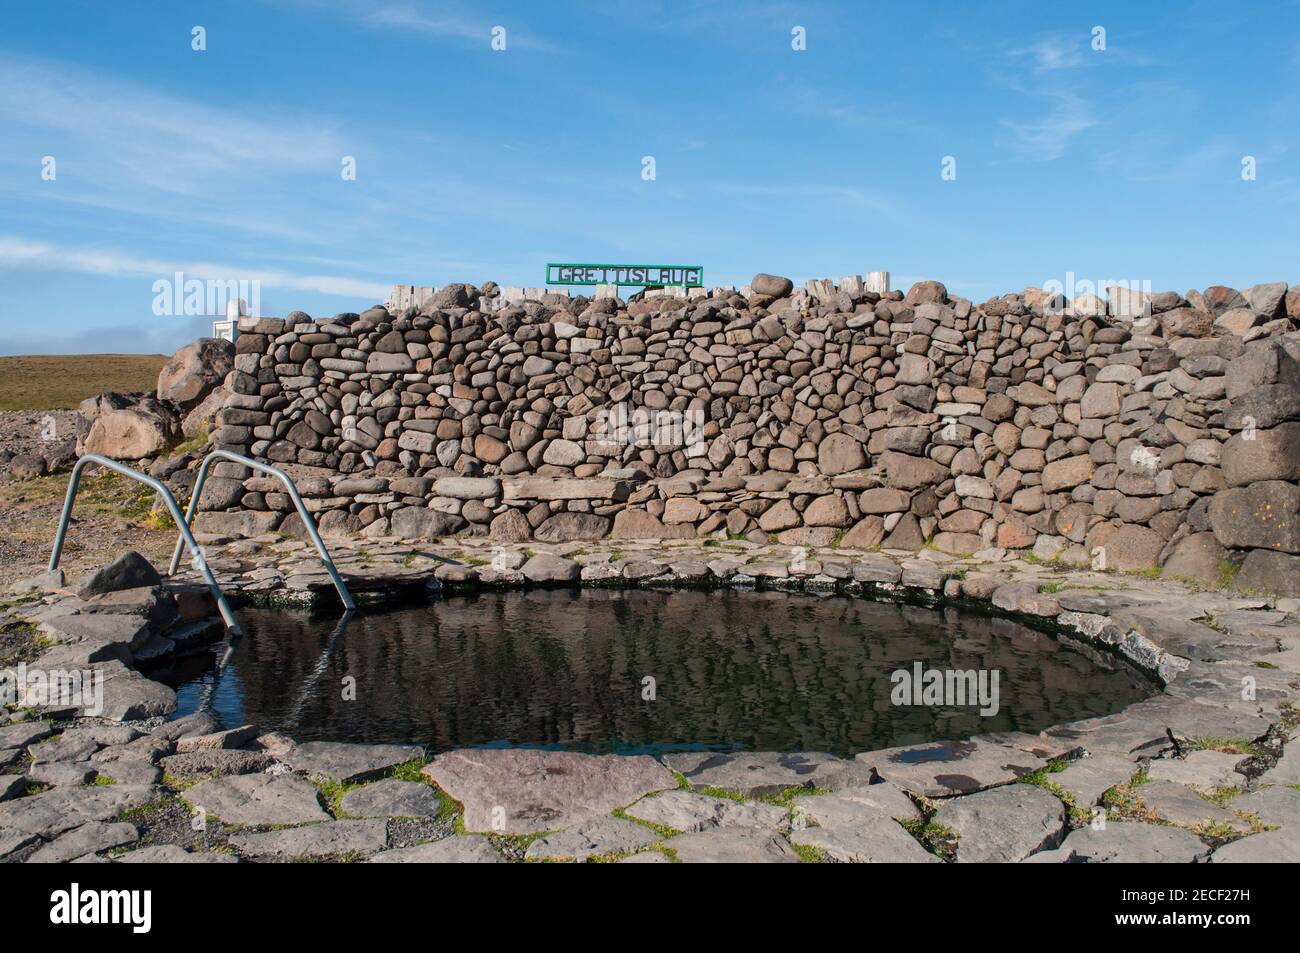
112 514
36 431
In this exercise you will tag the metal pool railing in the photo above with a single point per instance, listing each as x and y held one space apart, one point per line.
308 523
186 539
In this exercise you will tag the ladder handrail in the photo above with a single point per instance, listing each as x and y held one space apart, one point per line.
307 521
187 538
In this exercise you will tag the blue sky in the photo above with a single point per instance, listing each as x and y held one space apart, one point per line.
474 164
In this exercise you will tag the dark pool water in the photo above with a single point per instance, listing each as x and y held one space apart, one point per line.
732 670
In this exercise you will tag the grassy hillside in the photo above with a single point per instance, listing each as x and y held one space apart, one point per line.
51 382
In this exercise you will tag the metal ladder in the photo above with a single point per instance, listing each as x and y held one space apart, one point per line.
307 521
187 538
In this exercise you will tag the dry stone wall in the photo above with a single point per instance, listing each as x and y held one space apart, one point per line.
1150 430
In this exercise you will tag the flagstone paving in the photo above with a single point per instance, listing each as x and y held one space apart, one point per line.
1205 769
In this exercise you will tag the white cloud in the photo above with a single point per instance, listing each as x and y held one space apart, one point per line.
413 16
23 253
1048 136
112 130
1055 53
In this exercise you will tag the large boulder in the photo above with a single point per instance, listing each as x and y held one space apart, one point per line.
132 432
128 571
906 472
1198 557
774 286
568 527
1264 515
1258 455
1186 323
202 418
926 292
1266 571
417 522
195 371
840 453
1126 546
1268 299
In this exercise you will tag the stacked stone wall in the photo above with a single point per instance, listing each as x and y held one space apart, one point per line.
1153 430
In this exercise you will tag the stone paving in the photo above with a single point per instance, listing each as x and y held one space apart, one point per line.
1204 770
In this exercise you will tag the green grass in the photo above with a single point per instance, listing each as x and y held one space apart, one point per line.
663 830
1227 572
1219 796
1228 746
809 854
192 445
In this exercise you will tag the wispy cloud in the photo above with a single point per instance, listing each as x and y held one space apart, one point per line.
16 251
441 20
1053 53
1048 136
141 135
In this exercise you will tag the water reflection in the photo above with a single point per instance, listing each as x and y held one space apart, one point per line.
756 671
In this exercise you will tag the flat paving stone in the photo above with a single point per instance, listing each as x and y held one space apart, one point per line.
99 628
130 772
13 841
1087 779
1287 769
645 857
59 774
258 800
602 835
1125 734
173 854
87 839
765 772
59 810
1126 842
861 804
1005 824
1269 847
1201 769
345 762
529 791
331 839
947 768
687 811
461 849
1276 804
24 733
12 786
862 829
884 844
216 762
391 798
68 747
732 846
1183 807
126 695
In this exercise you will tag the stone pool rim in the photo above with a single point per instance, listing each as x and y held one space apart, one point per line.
1193 692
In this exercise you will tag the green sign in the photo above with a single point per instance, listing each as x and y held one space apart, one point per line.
688 276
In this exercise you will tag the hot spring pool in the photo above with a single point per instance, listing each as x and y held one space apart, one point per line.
768 671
